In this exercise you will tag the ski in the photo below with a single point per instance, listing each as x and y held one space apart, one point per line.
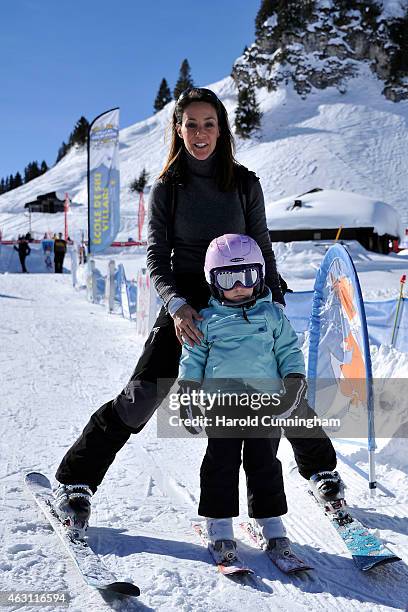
287 562
92 570
227 568
366 549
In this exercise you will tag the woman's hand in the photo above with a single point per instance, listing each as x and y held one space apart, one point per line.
186 331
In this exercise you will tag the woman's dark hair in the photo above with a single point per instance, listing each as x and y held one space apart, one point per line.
225 148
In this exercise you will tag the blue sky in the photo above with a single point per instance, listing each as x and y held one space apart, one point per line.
63 59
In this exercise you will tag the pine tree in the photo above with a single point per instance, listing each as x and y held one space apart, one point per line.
2 186
62 151
185 80
248 115
12 182
31 171
291 14
138 185
43 167
398 34
267 8
79 135
163 97
18 181
27 173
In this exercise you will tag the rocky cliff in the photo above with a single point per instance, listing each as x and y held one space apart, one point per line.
322 43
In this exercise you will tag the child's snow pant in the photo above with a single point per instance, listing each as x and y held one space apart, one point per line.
219 476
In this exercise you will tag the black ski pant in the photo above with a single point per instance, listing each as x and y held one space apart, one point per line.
22 262
109 428
58 261
219 478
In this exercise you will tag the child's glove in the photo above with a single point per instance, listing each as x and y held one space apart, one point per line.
189 410
295 389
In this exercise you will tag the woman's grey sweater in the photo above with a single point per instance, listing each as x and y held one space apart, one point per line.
203 212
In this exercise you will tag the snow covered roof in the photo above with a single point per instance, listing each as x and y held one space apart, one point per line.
328 208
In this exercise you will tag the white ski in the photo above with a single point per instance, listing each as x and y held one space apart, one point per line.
287 561
227 568
92 570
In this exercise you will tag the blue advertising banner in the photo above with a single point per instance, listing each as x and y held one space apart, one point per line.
103 181
338 348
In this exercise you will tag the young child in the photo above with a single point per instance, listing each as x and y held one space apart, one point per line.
246 337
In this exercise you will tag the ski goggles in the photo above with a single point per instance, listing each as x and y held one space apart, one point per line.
227 278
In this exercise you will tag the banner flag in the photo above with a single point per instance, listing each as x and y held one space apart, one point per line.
339 365
124 293
103 181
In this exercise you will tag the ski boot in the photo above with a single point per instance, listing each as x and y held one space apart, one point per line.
224 552
279 550
327 486
328 490
72 506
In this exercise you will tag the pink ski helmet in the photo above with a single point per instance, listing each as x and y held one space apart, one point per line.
234 258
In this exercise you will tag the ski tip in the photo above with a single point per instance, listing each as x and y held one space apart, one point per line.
226 570
124 588
38 478
300 569
367 562
197 525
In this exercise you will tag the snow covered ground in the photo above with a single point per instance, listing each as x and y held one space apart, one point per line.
61 358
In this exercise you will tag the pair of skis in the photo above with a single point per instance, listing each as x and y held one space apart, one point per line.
94 572
366 549
286 561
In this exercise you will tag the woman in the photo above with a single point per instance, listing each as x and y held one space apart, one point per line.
201 193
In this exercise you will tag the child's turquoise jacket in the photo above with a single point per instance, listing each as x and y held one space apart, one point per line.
264 348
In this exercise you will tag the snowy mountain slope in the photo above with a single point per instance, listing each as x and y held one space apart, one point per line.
355 141
79 358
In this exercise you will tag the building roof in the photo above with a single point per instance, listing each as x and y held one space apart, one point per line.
328 209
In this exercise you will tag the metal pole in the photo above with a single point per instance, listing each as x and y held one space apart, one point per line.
394 331
66 207
372 484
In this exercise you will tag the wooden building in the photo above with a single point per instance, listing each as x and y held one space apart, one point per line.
47 203
320 213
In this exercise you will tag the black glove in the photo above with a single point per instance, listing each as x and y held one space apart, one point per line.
190 410
294 395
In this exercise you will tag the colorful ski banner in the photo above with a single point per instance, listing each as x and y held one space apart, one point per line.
103 181
339 362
